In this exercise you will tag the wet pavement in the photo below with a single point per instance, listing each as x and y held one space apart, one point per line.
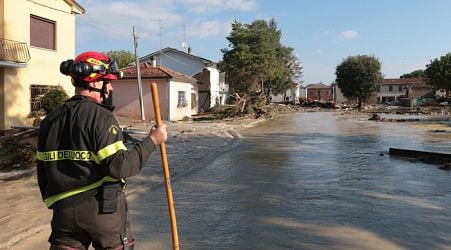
308 181
312 180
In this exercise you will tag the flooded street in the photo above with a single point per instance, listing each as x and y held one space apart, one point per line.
313 180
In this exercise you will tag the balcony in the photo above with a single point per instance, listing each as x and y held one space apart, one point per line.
13 52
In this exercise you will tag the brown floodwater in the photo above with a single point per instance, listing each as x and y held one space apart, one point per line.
313 180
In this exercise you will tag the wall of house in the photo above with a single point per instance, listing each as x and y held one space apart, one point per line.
385 95
43 67
291 95
2 17
163 96
338 96
178 113
319 94
204 89
195 93
216 98
303 92
126 98
415 95
211 91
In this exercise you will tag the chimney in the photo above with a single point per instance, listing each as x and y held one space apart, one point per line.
189 50
154 62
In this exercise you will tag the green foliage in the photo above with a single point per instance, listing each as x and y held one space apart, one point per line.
256 60
359 76
414 74
287 75
122 57
54 98
438 72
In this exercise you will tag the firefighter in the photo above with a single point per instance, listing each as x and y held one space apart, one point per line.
83 162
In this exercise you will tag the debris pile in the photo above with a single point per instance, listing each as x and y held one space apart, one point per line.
16 155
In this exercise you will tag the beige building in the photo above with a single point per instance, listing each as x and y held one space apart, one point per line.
35 37
406 91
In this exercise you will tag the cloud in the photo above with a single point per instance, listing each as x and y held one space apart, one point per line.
349 35
205 28
319 51
116 19
204 6
110 23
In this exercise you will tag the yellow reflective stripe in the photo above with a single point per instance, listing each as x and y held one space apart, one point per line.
110 150
74 155
52 199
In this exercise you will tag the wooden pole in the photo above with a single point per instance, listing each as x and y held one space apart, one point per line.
167 180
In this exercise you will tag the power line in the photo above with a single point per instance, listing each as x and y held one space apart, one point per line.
83 19
109 31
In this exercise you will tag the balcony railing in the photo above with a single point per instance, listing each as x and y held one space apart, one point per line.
14 51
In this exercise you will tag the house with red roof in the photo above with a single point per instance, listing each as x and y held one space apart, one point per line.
319 92
212 87
404 90
177 93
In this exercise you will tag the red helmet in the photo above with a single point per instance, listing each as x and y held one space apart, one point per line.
91 66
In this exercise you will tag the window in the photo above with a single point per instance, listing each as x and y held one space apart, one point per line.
400 88
42 33
390 88
37 92
182 100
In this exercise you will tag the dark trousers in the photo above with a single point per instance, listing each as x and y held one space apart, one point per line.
81 224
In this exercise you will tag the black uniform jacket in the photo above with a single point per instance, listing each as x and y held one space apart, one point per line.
80 147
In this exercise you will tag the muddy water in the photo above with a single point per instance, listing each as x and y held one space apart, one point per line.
308 181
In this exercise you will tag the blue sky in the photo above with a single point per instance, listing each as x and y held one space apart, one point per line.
404 35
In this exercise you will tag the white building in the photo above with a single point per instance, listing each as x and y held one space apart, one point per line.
212 87
292 95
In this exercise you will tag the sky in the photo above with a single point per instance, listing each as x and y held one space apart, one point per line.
405 35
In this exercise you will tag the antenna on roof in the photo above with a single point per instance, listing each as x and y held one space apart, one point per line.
184 44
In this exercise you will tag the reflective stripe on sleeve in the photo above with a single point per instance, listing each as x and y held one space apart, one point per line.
110 150
52 199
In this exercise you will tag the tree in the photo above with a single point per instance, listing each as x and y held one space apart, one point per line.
122 57
414 74
288 75
438 73
359 76
256 60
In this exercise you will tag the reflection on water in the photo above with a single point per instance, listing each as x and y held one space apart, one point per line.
308 181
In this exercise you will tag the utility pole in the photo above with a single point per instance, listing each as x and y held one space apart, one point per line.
160 34
138 71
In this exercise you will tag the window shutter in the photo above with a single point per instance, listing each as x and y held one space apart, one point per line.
42 33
